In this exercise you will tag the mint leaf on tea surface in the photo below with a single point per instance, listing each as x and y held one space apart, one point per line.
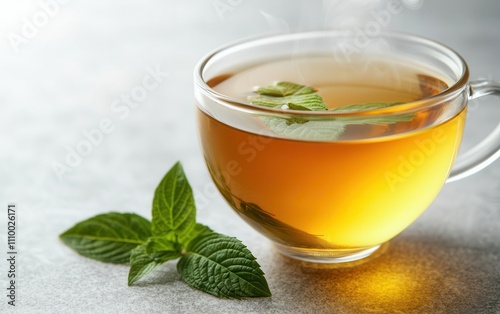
387 119
380 120
108 237
298 107
143 260
308 130
365 106
173 205
222 266
292 96
287 95
298 102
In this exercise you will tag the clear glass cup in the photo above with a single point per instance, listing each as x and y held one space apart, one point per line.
334 200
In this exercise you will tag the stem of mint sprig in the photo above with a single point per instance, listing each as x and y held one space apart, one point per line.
209 261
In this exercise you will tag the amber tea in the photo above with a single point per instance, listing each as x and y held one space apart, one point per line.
343 194
331 157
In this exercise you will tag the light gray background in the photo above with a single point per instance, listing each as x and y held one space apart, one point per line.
64 79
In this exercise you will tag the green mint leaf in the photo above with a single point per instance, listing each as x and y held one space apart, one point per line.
389 119
143 260
108 237
298 107
288 95
222 266
155 243
158 250
312 102
306 130
163 243
365 106
173 205
211 262
379 120
198 231
297 102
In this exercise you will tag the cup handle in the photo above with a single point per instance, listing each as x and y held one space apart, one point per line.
486 151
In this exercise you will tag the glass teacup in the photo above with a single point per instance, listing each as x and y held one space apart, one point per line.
333 185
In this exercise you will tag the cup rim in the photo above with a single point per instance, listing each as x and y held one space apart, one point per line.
425 103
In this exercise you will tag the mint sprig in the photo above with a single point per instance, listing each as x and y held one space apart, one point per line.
209 261
292 96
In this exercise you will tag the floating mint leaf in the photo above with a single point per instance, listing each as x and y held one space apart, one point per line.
143 261
224 267
287 95
366 106
291 95
173 205
387 119
307 130
301 102
108 237
312 102
298 107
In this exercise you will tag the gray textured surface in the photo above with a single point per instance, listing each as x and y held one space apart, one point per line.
64 80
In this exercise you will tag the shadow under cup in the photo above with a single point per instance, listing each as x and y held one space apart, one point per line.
332 199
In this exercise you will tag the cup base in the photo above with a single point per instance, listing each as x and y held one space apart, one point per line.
340 256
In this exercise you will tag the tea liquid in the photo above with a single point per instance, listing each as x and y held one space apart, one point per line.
344 194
